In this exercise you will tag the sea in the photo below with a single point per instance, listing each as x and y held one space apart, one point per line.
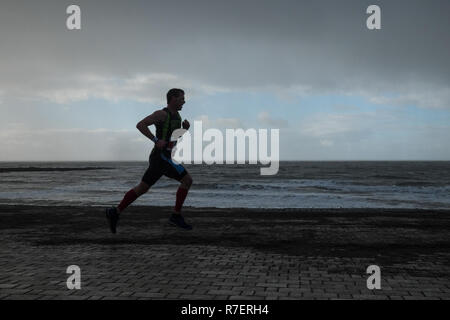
298 184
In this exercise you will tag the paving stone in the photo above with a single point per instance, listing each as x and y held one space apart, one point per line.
142 264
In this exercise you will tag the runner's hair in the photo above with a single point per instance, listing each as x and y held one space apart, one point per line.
174 92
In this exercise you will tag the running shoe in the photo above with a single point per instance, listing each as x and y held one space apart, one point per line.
178 221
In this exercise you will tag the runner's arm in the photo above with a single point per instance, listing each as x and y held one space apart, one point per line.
143 125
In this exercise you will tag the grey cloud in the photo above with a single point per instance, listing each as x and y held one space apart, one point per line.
290 48
233 44
21 144
18 142
266 119
220 123
417 143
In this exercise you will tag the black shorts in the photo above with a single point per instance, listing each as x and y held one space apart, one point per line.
160 165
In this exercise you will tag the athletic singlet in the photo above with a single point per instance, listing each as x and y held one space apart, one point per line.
164 131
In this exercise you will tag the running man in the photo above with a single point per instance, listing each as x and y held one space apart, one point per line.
160 162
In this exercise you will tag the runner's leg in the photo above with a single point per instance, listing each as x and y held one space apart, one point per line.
178 172
182 192
151 175
132 195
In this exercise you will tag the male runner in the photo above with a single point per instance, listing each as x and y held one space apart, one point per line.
160 163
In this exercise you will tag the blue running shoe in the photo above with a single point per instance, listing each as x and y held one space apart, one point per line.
177 220
113 217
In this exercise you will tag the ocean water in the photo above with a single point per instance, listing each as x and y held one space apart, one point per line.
423 185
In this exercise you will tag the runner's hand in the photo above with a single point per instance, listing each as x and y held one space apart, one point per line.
161 144
186 124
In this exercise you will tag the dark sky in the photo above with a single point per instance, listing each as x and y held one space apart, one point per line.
311 47
324 44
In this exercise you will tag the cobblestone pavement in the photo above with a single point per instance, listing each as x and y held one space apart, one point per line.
230 254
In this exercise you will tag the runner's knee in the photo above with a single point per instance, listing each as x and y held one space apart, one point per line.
186 182
141 188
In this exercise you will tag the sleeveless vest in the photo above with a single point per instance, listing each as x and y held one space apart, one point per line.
164 131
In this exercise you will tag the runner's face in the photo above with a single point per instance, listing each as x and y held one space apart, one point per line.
179 101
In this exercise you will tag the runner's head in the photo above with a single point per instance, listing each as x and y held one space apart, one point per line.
175 98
